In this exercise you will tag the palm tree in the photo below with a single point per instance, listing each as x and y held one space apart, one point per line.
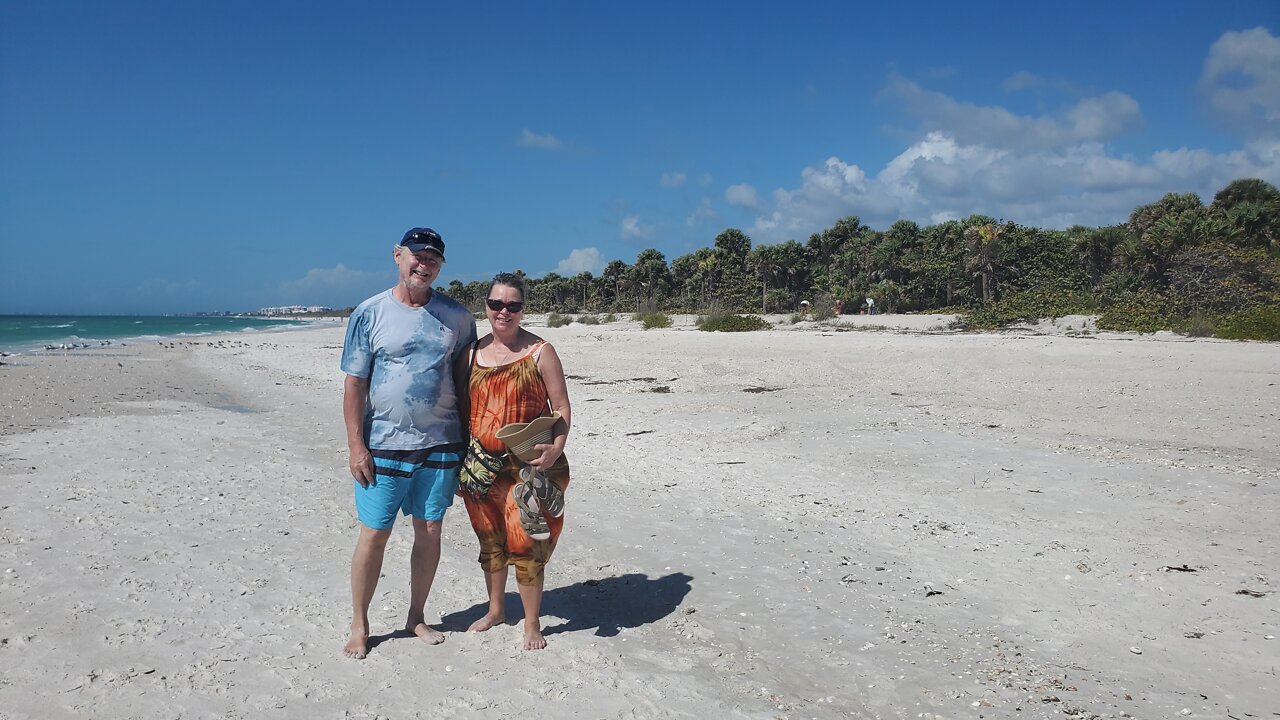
1095 248
585 281
707 263
765 260
613 274
651 272
984 242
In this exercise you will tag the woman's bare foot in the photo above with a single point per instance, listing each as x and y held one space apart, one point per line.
428 634
485 623
357 647
533 639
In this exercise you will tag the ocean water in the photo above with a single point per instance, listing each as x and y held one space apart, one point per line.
25 333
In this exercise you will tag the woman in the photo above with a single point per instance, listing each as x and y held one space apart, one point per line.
515 377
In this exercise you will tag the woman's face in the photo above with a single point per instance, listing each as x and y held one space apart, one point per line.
506 316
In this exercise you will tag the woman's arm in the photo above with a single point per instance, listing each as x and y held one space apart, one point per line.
552 372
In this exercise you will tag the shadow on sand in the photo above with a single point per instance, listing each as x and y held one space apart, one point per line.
606 605
376 640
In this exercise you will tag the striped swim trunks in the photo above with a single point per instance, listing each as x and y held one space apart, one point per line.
420 483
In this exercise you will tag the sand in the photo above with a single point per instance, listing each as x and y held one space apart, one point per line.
874 518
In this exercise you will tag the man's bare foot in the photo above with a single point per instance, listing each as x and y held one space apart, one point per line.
485 623
533 639
428 634
357 647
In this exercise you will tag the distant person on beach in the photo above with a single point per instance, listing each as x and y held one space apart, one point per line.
404 431
838 308
515 376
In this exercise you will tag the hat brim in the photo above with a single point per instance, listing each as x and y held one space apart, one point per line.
521 437
417 247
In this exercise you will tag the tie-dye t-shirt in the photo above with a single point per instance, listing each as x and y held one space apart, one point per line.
407 354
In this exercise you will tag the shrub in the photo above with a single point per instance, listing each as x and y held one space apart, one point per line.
1256 323
1199 325
588 319
610 318
1029 305
724 322
822 312
1142 311
557 320
655 319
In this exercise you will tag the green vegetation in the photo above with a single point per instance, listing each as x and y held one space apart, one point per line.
1175 264
726 322
1142 311
1258 323
557 320
610 318
1028 306
655 319
588 320
822 312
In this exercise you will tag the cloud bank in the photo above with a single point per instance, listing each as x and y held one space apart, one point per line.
1051 170
332 286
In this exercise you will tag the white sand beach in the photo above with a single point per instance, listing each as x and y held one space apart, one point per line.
875 518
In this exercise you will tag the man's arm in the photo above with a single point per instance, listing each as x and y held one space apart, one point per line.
355 396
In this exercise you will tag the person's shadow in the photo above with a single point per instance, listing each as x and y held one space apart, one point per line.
607 605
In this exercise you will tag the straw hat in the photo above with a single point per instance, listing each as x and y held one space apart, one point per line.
521 437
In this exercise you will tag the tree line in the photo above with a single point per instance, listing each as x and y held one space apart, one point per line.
1173 260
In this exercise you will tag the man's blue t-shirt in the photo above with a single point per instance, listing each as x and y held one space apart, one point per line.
407 354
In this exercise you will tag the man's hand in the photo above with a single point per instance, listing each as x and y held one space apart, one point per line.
361 463
355 395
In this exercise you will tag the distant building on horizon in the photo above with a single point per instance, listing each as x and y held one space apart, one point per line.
291 310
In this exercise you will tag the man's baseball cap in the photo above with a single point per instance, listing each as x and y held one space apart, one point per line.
423 239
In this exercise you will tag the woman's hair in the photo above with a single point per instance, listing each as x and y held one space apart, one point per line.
510 280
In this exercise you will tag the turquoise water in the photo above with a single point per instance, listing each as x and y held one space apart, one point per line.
33 332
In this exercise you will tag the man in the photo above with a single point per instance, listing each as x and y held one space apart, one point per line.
404 434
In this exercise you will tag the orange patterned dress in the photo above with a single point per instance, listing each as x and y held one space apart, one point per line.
500 395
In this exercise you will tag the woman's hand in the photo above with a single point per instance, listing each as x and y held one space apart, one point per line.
549 453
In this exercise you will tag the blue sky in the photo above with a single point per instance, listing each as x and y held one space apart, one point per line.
183 156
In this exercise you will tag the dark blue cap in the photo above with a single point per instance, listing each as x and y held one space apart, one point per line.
423 239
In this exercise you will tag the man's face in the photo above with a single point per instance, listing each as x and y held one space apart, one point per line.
418 270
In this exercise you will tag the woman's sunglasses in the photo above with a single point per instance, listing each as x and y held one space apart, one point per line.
512 307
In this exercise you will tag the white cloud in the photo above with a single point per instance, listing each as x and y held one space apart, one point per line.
531 139
1241 81
581 260
673 179
1051 170
741 195
939 178
1021 80
702 213
1093 118
326 281
633 229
